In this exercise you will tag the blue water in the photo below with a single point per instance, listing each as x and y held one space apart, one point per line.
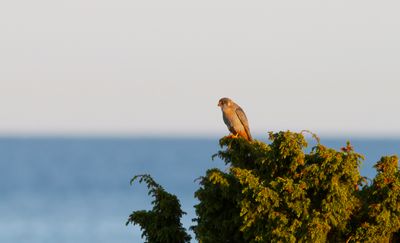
77 189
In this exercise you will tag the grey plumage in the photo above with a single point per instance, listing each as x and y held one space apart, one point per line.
235 118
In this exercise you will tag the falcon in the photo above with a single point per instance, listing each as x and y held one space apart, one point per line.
235 118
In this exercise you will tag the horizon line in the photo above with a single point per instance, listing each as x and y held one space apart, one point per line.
164 135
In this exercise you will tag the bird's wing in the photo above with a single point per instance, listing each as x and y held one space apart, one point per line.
243 120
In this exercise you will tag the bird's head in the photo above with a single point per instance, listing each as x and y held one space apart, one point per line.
225 102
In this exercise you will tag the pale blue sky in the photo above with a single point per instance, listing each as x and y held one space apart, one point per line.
159 67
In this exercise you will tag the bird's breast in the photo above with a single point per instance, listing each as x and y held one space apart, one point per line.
232 120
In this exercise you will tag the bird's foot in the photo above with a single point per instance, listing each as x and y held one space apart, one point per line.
233 135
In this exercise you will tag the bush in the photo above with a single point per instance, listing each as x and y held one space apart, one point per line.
161 224
278 193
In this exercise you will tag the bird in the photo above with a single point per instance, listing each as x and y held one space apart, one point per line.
235 118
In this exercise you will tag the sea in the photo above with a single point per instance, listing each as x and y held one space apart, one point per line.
77 190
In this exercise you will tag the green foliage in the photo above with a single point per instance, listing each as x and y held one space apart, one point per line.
380 219
221 214
278 193
161 224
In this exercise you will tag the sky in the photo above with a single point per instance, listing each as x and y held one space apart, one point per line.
158 68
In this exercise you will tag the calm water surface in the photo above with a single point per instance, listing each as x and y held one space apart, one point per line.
77 189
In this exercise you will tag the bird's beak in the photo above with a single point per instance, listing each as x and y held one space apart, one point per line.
219 104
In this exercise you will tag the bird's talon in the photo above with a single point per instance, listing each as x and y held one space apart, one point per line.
232 136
